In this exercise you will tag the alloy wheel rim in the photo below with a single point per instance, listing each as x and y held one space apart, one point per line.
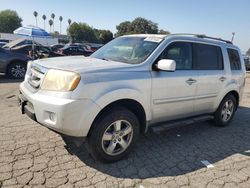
227 110
18 71
117 137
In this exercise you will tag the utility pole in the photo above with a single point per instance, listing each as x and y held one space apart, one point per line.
233 33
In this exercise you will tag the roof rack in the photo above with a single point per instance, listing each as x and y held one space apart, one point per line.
203 36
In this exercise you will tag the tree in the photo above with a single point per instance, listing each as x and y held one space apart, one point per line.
50 24
103 36
161 31
123 28
60 19
139 25
9 21
44 19
53 18
55 33
81 32
69 21
35 14
142 25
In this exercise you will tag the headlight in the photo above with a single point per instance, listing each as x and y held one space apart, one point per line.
58 80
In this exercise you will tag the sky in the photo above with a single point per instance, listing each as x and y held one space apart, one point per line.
217 18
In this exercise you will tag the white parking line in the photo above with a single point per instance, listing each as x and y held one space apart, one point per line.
207 164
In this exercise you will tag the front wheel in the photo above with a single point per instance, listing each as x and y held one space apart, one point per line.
113 135
226 110
17 70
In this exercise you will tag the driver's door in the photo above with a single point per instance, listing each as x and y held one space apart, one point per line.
3 59
173 93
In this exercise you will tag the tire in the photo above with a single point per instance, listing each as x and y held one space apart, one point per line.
17 70
225 113
117 142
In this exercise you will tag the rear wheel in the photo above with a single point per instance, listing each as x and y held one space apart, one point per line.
17 70
226 110
113 135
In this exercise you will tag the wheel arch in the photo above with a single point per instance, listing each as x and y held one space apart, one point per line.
236 95
233 92
15 61
130 104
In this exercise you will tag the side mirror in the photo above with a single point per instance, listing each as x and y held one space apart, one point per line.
166 65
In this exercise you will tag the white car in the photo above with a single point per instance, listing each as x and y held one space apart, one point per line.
130 85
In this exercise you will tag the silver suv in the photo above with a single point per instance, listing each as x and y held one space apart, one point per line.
132 84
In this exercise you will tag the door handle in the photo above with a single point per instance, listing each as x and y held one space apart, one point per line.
190 81
222 78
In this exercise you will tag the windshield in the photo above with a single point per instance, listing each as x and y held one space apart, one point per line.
131 50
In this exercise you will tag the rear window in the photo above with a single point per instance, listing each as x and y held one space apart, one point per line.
208 57
234 59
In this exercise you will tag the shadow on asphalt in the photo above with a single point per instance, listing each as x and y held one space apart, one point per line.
177 151
5 79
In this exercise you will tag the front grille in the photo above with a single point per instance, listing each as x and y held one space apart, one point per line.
35 75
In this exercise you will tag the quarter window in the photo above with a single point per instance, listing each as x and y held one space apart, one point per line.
181 52
208 57
234 59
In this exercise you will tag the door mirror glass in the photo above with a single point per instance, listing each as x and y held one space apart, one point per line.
166 65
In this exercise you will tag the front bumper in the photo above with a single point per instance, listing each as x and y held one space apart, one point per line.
67 116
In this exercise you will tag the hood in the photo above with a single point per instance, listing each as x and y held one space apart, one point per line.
79 64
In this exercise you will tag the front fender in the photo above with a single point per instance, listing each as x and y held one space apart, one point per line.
111 96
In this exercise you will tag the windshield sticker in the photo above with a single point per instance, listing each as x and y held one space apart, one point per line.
153 39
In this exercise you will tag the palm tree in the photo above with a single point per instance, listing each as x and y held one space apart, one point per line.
69 21
53 17
35 14
60 19
44 18
50 24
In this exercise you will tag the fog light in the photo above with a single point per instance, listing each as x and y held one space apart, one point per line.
52 116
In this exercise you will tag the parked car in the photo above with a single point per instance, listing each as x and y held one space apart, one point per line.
247 62
2 43
4 40
56 47
85 46
19 42
74 50
13 64
94 46
133 84
43 50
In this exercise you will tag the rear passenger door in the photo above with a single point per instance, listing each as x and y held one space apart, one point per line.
212 77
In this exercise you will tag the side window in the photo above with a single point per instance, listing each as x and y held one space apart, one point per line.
208 57
80 49
181 52
234 59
